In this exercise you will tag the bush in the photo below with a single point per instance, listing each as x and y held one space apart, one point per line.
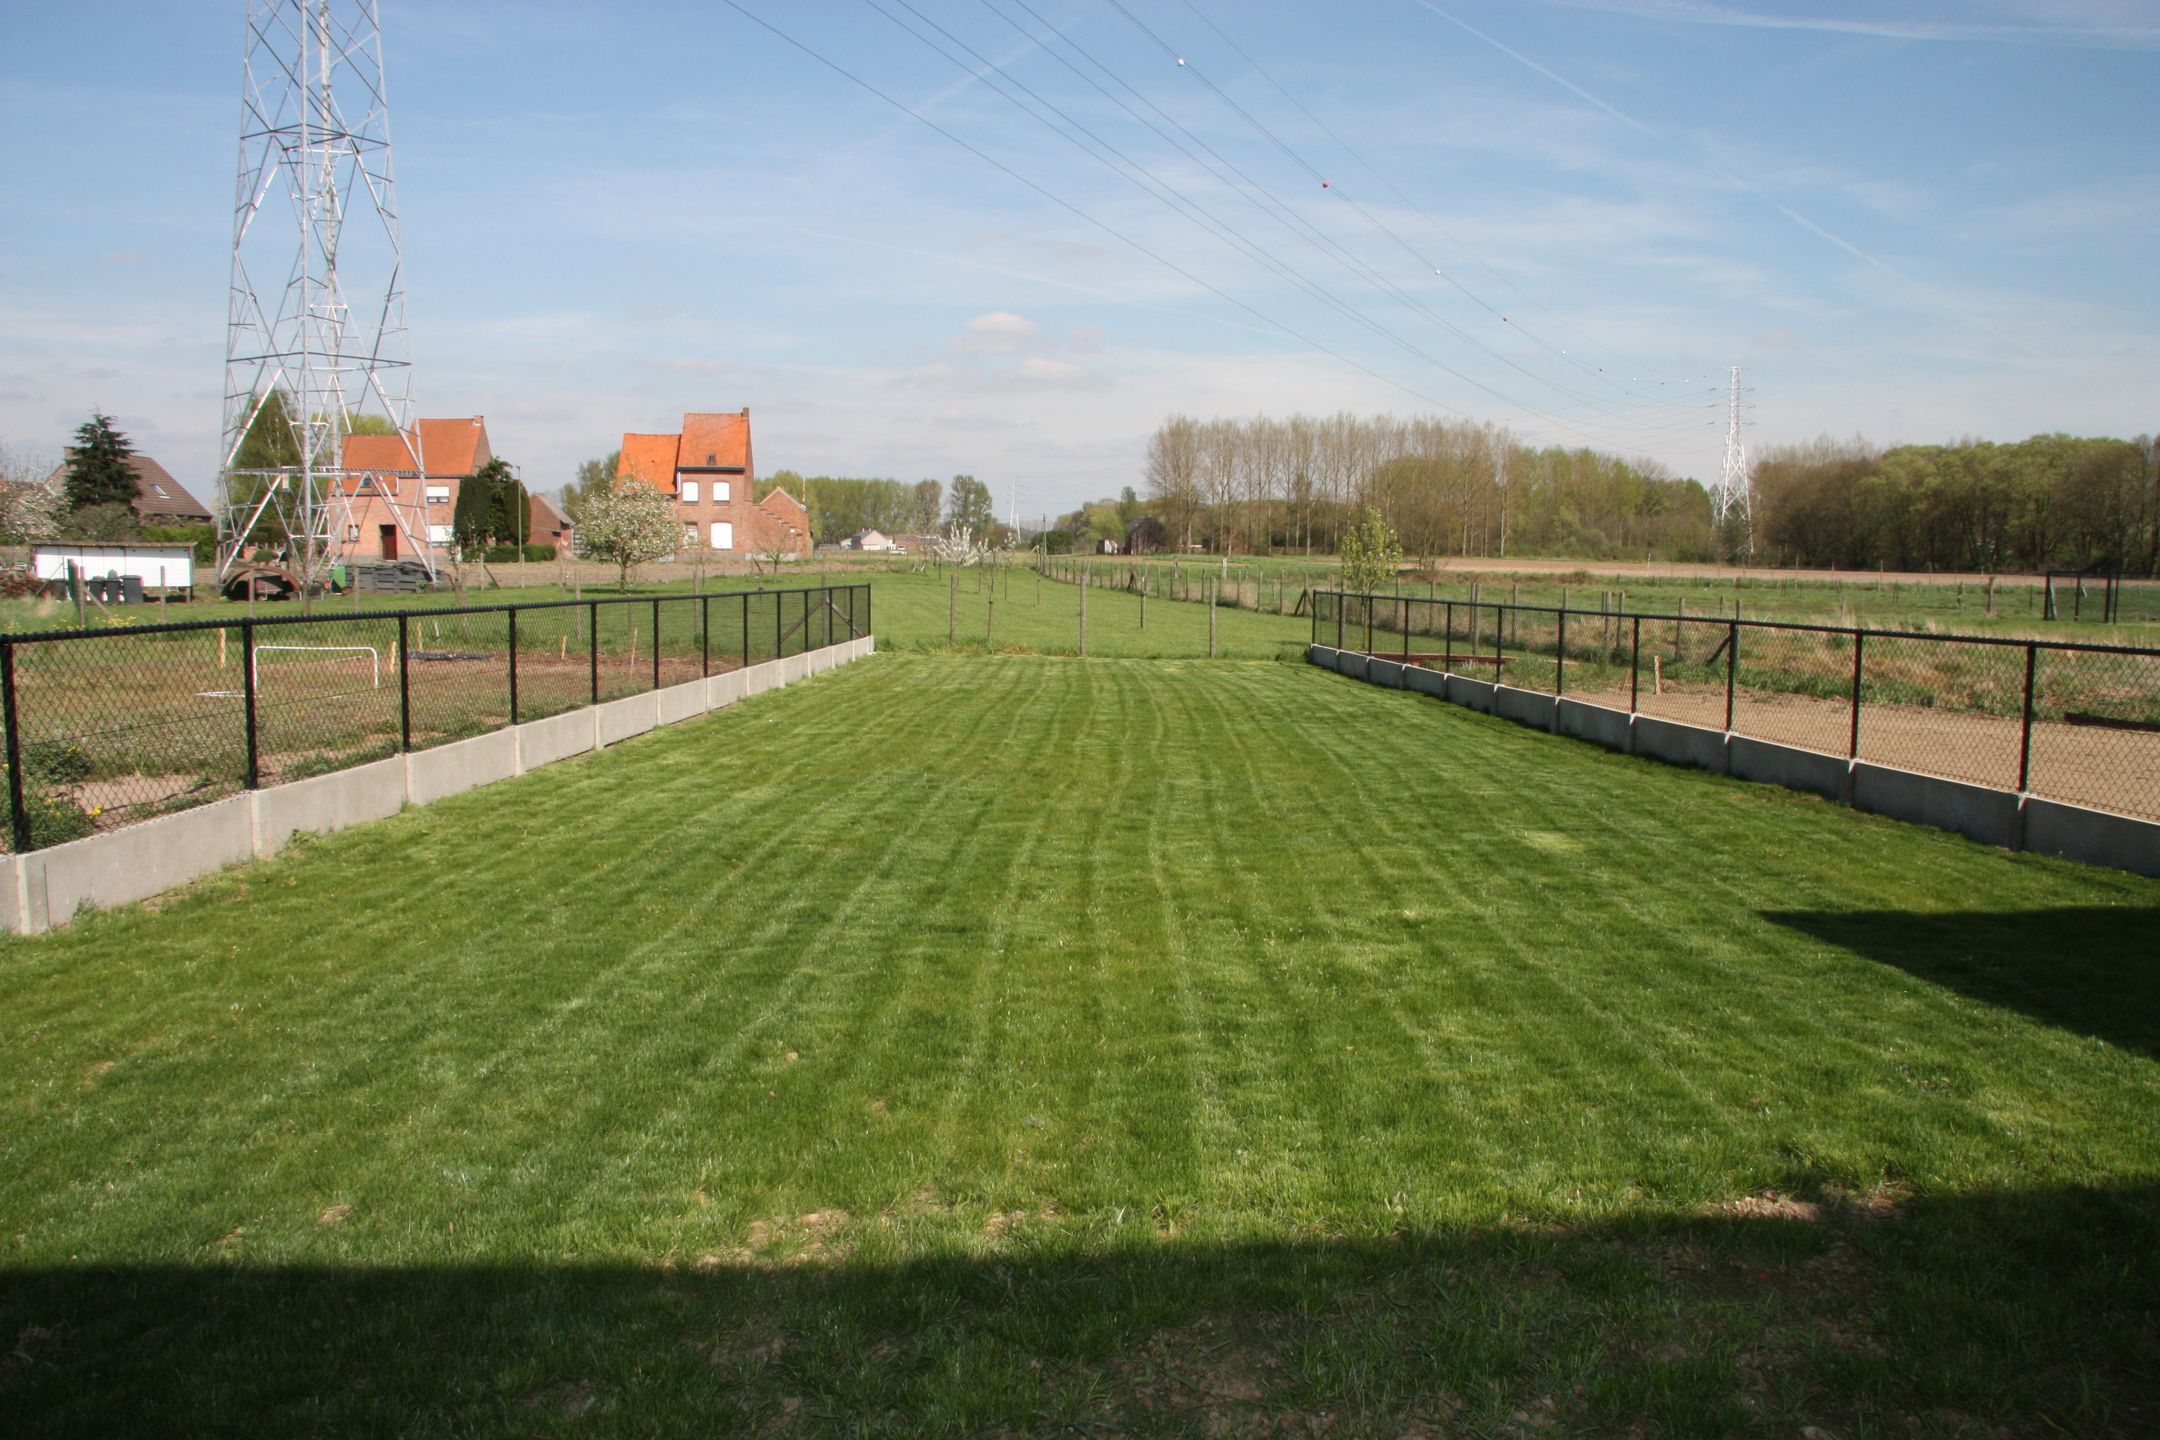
53 821
499 554
61 762
539 552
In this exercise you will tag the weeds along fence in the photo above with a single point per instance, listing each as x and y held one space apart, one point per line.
2067 721
108 727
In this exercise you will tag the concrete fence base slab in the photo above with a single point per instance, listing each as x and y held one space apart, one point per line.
617 720
1679 744
1989 816
681 702
2094 836
1595 723
453 769
47 887
135 863
329 803
1829 776
1524 707
1993 817
558 737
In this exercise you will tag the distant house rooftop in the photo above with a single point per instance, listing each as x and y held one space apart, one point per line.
159 499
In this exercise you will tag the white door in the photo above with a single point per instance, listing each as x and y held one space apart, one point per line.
723 535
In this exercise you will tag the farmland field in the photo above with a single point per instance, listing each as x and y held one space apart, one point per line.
998 1044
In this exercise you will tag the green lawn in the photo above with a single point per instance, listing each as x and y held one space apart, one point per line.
968 1045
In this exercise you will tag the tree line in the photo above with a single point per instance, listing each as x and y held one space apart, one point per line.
2053 502
1446 487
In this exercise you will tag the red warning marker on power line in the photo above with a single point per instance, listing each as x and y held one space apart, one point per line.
1323 185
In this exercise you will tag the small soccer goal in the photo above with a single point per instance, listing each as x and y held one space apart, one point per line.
321 659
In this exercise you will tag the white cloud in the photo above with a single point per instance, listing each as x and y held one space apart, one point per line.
999 333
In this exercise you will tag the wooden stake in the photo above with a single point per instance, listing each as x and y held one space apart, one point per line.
1657 674
221 649
1214 589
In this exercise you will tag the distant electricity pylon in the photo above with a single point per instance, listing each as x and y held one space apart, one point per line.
315 221
1732 508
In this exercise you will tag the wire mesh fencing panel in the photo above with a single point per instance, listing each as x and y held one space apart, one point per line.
554 659
2096 730
1680 670
456 676
1594 655
621 649
112 729
1941 707
1794 687
761 627
326 695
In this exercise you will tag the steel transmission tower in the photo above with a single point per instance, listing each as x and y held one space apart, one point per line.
1732 508
317 309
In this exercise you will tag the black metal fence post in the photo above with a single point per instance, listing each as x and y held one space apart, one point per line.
1499 633
2032 666
404 691
1339 609
1634 683
1732 669
746 630
1368 623
18 817
779 618
592 649
513 613
656 643
247 675
705 635
1447 643
1559 668
1859 638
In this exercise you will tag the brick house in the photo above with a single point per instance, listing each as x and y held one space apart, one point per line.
403 489
707 468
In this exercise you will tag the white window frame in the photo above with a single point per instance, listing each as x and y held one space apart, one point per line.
723 535
439 534
720 492
438 494
690 492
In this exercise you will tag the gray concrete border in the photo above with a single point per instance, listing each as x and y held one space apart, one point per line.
1525 707
1769 763
447 770
558 737
1598 724
329 803
617 720
2094 836
136 863
1678 744
1989 816
681 702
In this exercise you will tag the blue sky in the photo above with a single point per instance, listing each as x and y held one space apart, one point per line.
1917 229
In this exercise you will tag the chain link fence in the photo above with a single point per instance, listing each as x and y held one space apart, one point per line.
105 728
2078 723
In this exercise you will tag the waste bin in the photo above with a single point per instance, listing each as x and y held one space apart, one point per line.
131 590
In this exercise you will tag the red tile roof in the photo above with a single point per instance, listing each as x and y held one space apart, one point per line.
380 452
454 447
649 460
716 441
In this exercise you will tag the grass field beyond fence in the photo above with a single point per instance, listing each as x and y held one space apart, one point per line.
964 1045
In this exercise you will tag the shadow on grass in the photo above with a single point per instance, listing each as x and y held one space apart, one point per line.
2088 969
1998 1313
